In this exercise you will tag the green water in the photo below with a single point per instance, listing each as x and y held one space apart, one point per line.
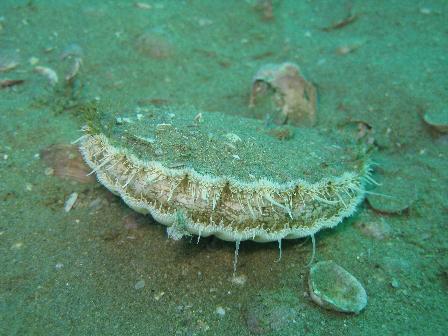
101 269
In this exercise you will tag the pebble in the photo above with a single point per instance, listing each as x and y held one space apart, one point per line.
378 229
220 311
332 287
239 280
273 313
139 284
154 44
395 283
49 171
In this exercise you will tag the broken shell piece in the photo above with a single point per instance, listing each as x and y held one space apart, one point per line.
8 60
51 75
295 96
332 287
437 120
143 5
9 65
70 202
72 50
74 69
75 53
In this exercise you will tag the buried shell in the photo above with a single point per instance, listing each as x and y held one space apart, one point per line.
188 177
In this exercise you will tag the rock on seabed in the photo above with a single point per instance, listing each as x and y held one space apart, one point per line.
332 287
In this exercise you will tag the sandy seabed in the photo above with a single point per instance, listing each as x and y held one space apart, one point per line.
379 67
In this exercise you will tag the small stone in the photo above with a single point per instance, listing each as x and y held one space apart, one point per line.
396 265
220 311
58 266
378 229
96 204
239 280
154 44
33 60
425 11
49 171
204 22
332 287
273 313
157 297
139 284
17 245
395 283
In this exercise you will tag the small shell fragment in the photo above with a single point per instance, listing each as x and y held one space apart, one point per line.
74 69
143 5
73 50
332 287
7 66
70 202
9 60
437 120
49 73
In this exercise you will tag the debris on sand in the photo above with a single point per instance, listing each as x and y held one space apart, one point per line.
49 73
350 18
5 83
154 44
437 120
375 228
65 161
9 60
273 313
295 97
70 202
73 53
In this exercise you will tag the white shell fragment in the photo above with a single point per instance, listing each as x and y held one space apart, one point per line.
332 287
49 73
70 202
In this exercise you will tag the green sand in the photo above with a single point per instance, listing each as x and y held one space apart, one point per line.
75 273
